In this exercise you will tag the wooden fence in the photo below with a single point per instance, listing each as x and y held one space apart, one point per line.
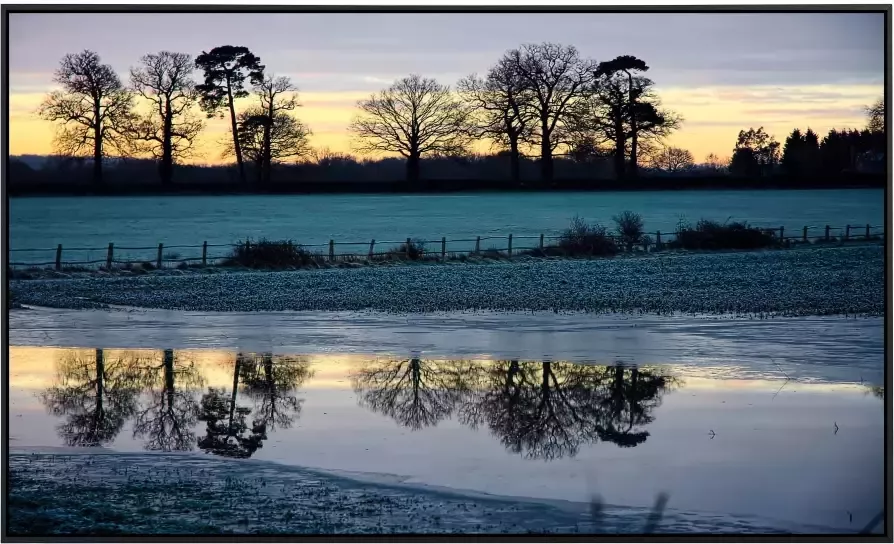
161 255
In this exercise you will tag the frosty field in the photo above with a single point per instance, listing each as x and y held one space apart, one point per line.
501 397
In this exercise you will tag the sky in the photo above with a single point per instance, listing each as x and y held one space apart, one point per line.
721 72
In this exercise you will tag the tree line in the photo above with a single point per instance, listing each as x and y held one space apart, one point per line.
538 103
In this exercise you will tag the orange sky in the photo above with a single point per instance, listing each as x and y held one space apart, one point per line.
712 117
722 72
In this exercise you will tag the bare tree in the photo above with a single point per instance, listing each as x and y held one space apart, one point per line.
226 68
169 130
93 109
277 95
715 163
414 117
876 116
264 143
672 159
557 77
502 108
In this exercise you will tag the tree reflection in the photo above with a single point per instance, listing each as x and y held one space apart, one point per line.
167 418
632 396
95 395
226 431
539 410
413 392
272 384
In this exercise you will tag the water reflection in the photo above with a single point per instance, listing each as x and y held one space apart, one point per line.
95 396
415 393
271 382
540 410
166 418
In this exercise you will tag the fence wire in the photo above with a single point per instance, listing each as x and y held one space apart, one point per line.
159 256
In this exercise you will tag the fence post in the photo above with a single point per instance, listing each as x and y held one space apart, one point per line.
645 244
59 253
510 246
658 240
867 235
804 236
159 262
827 233
331 250
782 234
847 232
110 255
443 248
541 242
478 245
205 253
372 248
408 248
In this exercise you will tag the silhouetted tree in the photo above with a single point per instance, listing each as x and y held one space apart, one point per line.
756 153
93 109
672 159
414 117
875 114
622 108
557 78
415 393
170 412
502 107
715 164
277 96
273 383
262 141
636 87
169 129
226 68
95 396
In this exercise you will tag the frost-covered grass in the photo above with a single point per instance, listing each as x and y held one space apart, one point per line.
807 281
132 494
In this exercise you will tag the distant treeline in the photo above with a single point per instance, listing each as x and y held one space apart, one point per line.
556 117
74 177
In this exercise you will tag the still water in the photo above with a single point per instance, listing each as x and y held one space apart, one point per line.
42 223
777 449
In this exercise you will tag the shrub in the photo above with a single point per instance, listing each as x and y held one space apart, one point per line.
271 254
414 252
711 235
584 239
146 265
629 228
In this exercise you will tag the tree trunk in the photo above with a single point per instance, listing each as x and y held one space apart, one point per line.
169 377
620 138
514 161
413 168
166 167
233 396
268 129
237 149
100 385
97 147
546 156
633 128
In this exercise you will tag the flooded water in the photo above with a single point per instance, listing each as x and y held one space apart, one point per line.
785 451
42 223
